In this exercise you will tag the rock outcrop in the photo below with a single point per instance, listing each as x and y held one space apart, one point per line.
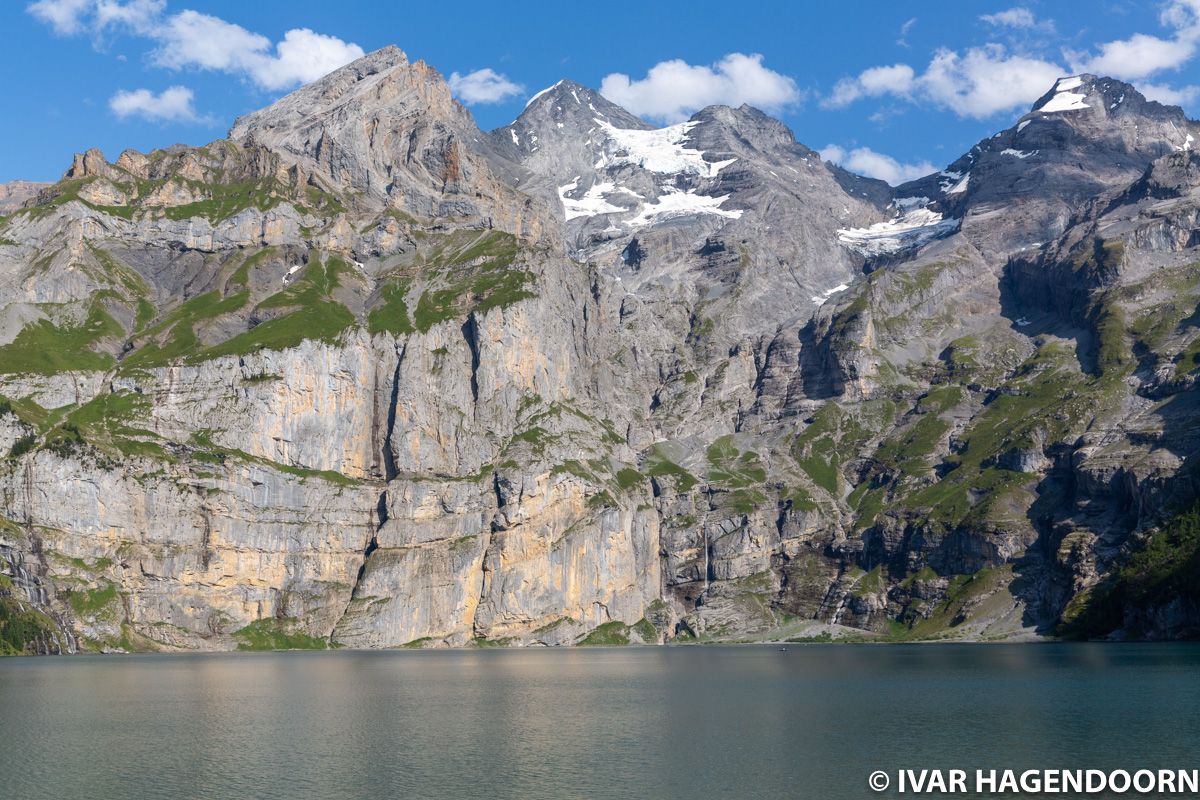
364 375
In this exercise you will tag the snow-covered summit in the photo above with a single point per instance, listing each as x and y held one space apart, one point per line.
608 168
1067 97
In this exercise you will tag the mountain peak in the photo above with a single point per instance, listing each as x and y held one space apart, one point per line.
568 99
1086 134
389 53
390 129
557 91
562 119
1069 93
1102 97
378 78
1092 114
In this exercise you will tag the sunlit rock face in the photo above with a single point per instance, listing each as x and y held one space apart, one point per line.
364 375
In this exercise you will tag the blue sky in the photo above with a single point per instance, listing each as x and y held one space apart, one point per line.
888 89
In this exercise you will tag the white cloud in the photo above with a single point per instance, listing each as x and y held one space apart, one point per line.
833 152
64 16
1180 14
483 86
302 57
1136 57
1183 96
977 83
866 161
136 15
874 82
673 90
904 29
170 105
68 17
190 39
1017 17
1142 55
983 81
986 80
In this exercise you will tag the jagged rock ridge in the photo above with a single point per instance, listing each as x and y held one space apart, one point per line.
363 374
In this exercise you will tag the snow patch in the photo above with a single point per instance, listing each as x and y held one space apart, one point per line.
828 293
953 182
911 229
909 203
291 272
592 202
542 92
1021 125
1018 153
516 141
677 203
1064 99
660 150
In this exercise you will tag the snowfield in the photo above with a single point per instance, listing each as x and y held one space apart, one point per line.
677 203
660 150
1064 99
911 229
592 202
828 293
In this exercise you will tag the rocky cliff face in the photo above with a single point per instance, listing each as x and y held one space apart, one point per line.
364 375
15 193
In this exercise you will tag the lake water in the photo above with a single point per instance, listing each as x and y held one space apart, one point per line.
694 722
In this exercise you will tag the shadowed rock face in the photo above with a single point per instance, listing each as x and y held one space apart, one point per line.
1083 138
364 374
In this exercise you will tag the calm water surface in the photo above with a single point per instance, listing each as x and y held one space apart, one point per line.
811 722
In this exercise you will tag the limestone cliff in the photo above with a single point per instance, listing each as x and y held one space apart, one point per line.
363 375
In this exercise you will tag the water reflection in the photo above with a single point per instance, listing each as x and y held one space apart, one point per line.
649 722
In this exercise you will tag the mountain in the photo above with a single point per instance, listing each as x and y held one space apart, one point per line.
732 185
364 375
385 130
14 194
1021 186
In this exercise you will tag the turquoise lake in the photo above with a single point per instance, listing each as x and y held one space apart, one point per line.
809 722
